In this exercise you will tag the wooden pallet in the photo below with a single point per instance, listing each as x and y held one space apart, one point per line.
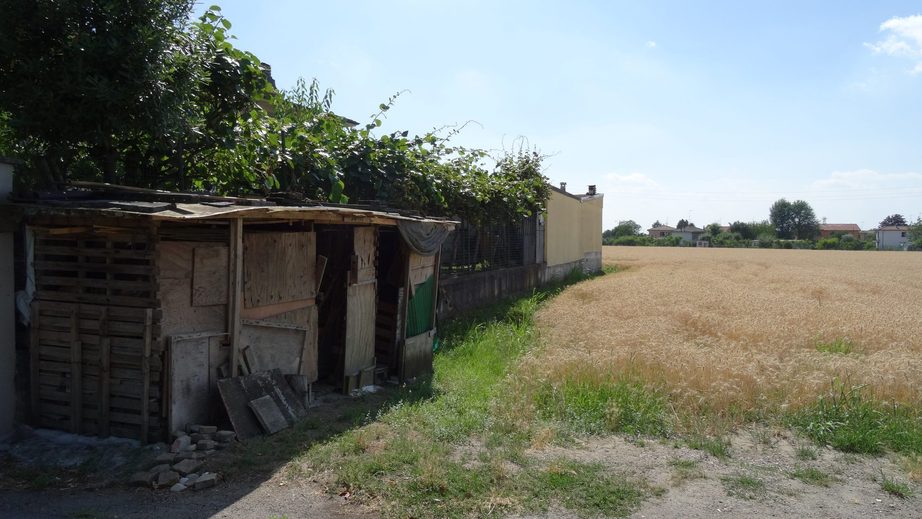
96 349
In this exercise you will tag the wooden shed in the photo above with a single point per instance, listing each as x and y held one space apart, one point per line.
138 308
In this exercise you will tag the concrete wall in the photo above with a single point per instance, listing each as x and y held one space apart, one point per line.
7 323
463 292
573 228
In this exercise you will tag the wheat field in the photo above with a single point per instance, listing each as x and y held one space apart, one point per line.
735 331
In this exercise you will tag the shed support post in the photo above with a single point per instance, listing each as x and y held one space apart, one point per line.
235 280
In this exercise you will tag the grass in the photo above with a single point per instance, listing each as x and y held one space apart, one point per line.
895 488
592 407
912 464
715 446
812 476
848 420
685 470
839 346
453 445
744 486
807 453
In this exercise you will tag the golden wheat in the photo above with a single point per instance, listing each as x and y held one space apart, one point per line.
735 330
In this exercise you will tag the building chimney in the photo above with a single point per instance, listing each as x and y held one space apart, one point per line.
563 186
591 189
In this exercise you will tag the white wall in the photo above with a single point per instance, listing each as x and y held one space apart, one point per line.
888 240
7 324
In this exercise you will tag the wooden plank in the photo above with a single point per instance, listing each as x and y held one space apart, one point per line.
238 392
235 287
101 299
145 370
76 377
104 366
34 359
116 313
308 366
209 276
264 312
137 254
272 324
360 328
320 271
364 248
61 281
66 266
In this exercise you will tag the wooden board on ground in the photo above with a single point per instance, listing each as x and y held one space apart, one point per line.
268 414
238 392
417 355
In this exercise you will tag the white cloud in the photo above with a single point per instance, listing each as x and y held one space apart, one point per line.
864 179
629 183
651 44
903 39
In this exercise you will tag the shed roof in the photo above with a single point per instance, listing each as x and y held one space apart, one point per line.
894 228
202 211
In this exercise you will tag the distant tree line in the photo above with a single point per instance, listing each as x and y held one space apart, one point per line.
790 225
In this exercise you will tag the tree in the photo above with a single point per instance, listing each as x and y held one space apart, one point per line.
713 229
657 224
794 220
745 230
79 75
893 220
135 93
915 233
624 228
683 223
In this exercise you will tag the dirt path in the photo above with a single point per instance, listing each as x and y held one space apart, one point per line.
757 480
235 500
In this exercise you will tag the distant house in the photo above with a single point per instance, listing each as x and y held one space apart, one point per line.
660 231
689 234
838 229
894 237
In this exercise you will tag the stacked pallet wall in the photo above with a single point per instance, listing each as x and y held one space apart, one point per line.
96 348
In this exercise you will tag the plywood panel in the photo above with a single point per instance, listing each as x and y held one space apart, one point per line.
179 315
365 249
360 327
209 276
189 381
278 267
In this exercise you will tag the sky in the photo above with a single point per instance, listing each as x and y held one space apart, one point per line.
708 111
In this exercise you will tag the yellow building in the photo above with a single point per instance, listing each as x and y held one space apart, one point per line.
572 232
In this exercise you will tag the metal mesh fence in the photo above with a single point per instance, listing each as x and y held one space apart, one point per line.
474 249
